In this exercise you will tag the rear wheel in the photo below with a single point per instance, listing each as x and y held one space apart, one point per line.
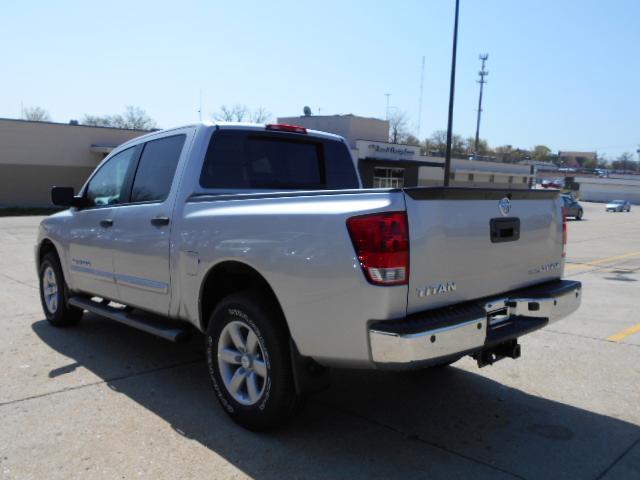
579 215
247 349
53 293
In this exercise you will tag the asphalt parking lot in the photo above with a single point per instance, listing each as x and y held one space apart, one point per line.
104 401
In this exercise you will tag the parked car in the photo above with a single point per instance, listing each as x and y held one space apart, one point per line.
618 206
261 237
553 183
572 208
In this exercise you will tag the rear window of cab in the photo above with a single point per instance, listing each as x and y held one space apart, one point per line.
237 159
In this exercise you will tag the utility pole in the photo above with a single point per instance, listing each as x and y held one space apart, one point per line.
452 87
482 73
387 114
420 99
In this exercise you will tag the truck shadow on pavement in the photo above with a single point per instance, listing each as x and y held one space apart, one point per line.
442 423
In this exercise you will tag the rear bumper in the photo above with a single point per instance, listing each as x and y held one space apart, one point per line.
449 332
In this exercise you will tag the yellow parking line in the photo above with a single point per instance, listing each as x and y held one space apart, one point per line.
602 260
625 333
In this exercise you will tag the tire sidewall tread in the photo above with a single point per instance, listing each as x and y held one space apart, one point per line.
279 399
64 315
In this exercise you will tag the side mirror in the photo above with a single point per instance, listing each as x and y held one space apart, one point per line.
64 197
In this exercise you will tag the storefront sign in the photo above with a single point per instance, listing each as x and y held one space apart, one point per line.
386 151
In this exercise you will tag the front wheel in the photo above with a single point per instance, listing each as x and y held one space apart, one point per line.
579 215
247 350
53 293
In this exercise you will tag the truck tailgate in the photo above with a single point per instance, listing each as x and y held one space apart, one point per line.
471 243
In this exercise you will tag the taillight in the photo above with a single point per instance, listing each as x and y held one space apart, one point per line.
381 241
564 233
283 127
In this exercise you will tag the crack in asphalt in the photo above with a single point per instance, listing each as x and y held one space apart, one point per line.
18 281
417 438
617 460
103 381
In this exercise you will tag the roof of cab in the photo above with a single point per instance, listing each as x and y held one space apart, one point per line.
227 126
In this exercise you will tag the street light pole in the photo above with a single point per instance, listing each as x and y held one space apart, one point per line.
482 73
387 112
452 86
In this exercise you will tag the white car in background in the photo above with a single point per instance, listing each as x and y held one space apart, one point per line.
618 206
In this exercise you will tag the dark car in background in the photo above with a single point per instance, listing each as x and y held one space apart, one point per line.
572 208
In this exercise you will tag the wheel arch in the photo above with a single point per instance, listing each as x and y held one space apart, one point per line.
230 277
45 247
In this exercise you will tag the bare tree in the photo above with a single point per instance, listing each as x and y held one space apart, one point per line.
225 114
458 145
260 115
242 113
133 118
397 126
96 120
36 114
237 113
437 143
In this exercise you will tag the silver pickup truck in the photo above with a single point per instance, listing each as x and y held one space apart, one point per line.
261 237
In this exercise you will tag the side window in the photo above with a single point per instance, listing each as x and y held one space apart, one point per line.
156 169
107 185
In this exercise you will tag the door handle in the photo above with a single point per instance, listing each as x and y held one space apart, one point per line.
160 221
106 223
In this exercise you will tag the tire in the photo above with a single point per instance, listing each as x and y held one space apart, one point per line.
255 386
54 293
579 215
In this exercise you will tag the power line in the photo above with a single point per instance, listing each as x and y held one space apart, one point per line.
482 73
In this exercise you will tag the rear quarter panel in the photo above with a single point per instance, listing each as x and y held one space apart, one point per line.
301 246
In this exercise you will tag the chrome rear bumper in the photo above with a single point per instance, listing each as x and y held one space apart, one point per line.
471 327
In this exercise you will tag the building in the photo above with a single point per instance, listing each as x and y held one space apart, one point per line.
575 159
384 164
34 156
594 189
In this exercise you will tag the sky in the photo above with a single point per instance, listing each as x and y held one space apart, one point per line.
564 73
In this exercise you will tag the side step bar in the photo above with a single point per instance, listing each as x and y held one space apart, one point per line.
143 322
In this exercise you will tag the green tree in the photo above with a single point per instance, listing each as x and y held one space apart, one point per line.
504 153
625 162
411 140
541 153
483 146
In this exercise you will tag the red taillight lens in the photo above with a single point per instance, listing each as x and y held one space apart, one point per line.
381 241
564 233
283 127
